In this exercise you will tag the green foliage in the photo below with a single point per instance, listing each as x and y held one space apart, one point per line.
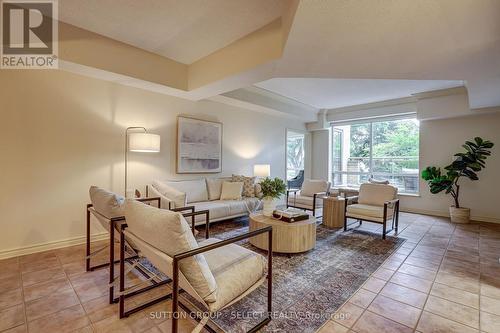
273 188
466 164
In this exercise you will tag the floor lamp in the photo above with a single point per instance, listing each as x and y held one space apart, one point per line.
142 142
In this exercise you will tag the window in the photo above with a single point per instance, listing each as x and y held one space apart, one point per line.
385 150
294 153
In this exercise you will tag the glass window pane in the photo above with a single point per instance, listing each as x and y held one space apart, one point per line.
295 154
393 154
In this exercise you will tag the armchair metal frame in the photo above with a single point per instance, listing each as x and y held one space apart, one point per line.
113 224
175 278
315 197
122 294
391 204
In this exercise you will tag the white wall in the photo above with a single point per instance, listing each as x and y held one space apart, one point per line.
320 154
62 132
439 140
446 123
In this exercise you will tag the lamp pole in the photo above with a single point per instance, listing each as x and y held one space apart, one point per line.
126 150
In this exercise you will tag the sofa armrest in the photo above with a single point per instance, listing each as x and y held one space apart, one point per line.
165 202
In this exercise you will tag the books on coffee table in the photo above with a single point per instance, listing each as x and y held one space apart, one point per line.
290 215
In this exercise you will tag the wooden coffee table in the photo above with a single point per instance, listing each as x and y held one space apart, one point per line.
293 237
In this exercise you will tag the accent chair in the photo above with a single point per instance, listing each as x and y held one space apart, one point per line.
217 273
308 196
375 203
296 182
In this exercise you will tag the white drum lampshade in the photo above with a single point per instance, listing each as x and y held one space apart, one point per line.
144 142
262 170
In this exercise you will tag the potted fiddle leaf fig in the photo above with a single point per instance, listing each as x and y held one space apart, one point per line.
465 166
272 190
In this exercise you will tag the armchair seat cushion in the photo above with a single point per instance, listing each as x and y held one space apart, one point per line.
368 211
236 269
303 200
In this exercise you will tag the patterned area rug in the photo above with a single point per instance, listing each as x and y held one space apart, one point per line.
307 288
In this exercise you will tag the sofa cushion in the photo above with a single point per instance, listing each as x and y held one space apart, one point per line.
311 186
231 191
169 232
360 210
236 270
376 194
178 198
106 203
248 185
258 191
214 187
218 209
196 190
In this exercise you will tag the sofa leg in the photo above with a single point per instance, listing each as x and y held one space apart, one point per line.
383 230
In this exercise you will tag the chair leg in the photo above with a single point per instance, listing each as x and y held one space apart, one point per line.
397 216
122 274
384 229
175 295
87 245
112 261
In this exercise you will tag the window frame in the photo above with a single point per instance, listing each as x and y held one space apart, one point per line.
370 173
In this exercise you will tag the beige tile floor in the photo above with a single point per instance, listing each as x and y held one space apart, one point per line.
445 278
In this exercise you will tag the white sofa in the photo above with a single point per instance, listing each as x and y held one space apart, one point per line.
203 194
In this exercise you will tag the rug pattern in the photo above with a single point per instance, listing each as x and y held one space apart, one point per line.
307 288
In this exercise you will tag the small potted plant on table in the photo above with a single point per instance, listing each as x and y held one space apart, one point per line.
272 190
465 165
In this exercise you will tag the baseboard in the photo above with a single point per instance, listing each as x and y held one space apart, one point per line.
447 214
20 251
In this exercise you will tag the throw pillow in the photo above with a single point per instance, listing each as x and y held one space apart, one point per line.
231 191
214 187
248 185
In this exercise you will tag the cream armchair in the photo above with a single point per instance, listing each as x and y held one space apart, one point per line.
217 273
375 203
309 196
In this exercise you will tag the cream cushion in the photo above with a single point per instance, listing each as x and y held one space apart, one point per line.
258 191
196 190
178 198
376 194
248 185
236 270
368 211
169 232
310 186
106 203
304 201
214 187
231 190
218 209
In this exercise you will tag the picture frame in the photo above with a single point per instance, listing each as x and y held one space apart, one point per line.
199 146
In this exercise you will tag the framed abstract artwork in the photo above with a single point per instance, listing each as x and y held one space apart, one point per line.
199 146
